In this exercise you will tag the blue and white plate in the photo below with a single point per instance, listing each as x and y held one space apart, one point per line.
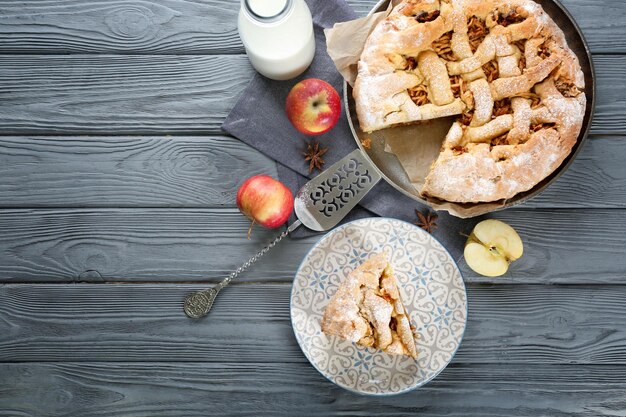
432 290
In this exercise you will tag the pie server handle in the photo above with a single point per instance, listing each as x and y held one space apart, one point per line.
320 205
199 303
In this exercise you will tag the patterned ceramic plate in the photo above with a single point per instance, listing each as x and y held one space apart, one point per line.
432 290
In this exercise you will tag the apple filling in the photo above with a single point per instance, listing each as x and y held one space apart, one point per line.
419 94
376 308
443 48
466 117
543 51
491 71
500 140
476 32
521 45
456 84
567 88
502 107
458 150
410 63
367 310
424 17
422 13
510 17
538 126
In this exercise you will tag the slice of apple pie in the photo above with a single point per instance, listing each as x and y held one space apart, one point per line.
367 309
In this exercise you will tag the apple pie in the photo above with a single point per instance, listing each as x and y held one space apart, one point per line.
502 67
367 309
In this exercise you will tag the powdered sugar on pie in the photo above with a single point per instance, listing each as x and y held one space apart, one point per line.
502 67
367 309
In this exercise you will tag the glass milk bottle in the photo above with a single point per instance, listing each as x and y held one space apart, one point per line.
278 36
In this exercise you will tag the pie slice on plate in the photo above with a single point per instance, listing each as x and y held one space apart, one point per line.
503 67
367 309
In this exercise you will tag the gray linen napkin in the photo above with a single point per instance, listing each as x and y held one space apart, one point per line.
259 120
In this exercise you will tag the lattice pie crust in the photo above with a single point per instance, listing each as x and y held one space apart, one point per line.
503 66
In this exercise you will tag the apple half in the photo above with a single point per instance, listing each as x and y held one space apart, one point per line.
491 247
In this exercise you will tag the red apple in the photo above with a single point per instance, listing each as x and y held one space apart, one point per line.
265 201
313 106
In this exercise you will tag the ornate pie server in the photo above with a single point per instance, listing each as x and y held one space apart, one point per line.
319 205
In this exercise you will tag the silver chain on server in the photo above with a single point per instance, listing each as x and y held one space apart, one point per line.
199 303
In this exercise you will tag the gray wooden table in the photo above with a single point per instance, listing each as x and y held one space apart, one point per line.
117 199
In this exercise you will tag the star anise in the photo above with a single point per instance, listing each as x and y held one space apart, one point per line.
427 222
314 155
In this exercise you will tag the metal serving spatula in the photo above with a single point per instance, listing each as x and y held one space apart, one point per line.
319 205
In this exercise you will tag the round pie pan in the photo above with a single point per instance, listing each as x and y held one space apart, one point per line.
389 165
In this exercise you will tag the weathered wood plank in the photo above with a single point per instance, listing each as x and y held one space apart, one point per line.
508 324
119 94
262 389
189 27
129 27
137 244
175 245
126 171
206 171
106 94
597 178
